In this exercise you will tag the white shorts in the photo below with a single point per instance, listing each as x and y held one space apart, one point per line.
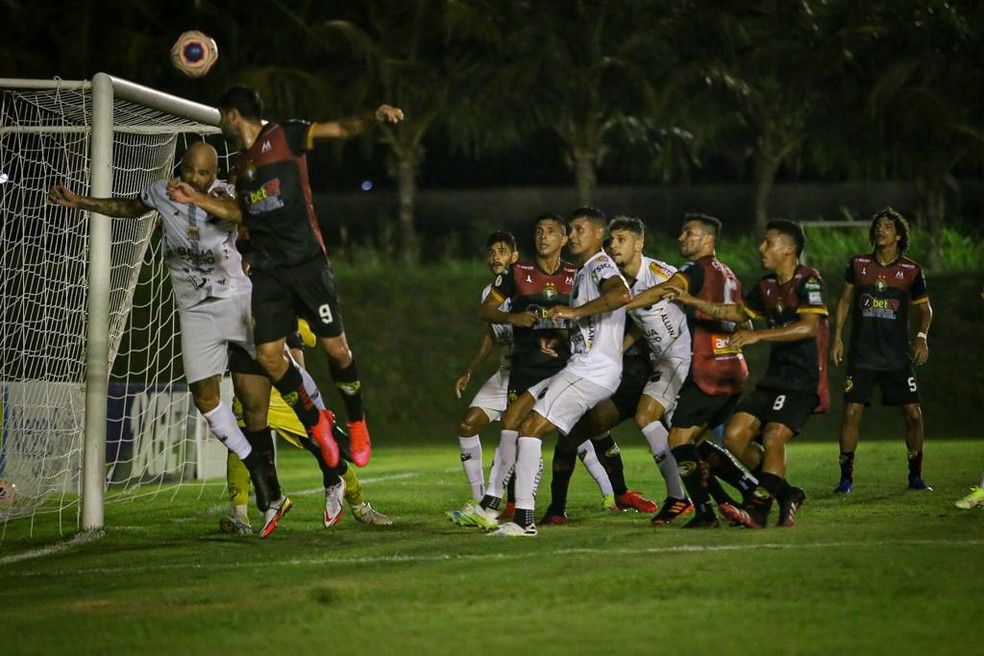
206 332
567 398
666 380
493 397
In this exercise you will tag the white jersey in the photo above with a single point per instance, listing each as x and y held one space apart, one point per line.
502 333
663 325
199 249
596 341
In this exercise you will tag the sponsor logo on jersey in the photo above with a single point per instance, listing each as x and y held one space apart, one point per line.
879 308
266 147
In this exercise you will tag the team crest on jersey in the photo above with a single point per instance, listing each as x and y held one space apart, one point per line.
250 171
193 233
550 291
881 284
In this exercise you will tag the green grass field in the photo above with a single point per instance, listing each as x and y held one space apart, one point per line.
882 571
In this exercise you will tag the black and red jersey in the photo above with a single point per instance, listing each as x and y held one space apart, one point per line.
717 367
531 288
800 365
272 185
883 296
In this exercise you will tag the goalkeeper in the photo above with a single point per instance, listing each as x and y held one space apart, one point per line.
339 482
213 297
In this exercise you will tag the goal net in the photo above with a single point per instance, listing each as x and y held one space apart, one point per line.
92 407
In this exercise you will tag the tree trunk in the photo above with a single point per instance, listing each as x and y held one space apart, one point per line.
766 167
935 203
585 177
408 248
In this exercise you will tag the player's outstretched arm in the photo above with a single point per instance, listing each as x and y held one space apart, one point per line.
805 328
125 208
355 125
723 311
221 206
614 294
657 293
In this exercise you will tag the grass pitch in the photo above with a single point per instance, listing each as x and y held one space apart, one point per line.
882 571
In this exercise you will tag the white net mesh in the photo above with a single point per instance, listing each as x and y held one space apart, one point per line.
153 433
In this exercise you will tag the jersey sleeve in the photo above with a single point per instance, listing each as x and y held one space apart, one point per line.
297 133
812 296
919 293
502 288
849 277
752 302
155 196
694 276
604 268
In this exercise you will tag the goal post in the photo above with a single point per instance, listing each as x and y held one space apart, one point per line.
104 137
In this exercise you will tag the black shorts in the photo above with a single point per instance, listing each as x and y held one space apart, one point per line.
697 408
771 406
897 387
635 375
281 296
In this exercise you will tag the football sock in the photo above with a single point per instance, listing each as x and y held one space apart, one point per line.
353 487
329 475
241 511
693 472
611 459
262 468
237 480
502 465
291 388
348 383
716 490
511 488
723 465
222 423
656 435
761 500
586 452
915 463
312 389
562 468
847 465
529 466
471 463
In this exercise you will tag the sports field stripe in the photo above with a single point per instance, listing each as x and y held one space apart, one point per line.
78 540
369 560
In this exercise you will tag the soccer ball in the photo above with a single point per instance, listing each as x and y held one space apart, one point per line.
194 53
8 492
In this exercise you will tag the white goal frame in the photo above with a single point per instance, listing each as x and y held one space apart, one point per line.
105 89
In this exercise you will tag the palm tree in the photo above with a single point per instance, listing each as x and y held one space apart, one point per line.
409 56
925 98
756 68
577 68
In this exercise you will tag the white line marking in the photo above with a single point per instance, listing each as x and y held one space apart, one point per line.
355 560
78 540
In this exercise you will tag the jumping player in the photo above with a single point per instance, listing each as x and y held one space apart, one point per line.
213 298
292 276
